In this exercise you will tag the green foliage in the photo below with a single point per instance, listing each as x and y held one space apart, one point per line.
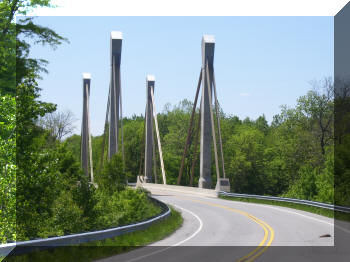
305 187
133 137
67 217
112 178
246 161
73 145
16 64
342 171
123 207
95 250
7 168
325 180
38 179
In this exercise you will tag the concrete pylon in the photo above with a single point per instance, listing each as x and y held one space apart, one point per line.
116 49
208 46
149 138
86 156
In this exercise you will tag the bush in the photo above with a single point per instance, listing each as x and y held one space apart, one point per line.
112 178
305 187
123 207
325 181
67 217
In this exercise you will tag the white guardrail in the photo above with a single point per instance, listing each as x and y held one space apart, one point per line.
290 200
74 239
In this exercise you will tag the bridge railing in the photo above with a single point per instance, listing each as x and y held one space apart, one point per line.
289 200
74 239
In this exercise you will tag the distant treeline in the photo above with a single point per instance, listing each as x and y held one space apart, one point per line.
293 156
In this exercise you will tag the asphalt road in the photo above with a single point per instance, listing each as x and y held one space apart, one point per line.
223 230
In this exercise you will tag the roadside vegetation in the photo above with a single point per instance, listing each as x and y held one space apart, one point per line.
43 191
100 249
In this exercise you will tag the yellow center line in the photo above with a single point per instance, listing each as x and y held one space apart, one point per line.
259 250
256 250
268 244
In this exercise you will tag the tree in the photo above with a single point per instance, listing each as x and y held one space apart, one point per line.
60 124
246 163
37 178
14 46
318 105
342 142
7 168
112 178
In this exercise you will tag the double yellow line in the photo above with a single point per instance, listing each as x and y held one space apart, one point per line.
269 233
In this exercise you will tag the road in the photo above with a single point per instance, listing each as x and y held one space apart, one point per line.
223 230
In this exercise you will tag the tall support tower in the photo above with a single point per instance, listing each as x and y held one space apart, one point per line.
208 45
86 150
149 138
206 124
115 92
151 115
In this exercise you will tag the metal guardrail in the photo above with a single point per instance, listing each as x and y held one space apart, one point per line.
74 239
290 200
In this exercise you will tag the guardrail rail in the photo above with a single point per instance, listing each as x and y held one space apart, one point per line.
75 239
290 200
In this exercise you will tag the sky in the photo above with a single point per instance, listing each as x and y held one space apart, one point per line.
260 63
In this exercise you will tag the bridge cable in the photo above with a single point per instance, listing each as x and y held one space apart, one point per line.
212 123
189 129
159 144
196 142
219 128
121 120
105 129
154 157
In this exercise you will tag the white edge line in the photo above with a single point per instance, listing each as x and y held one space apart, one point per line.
292 212
176 244
313 218
195 233
309 217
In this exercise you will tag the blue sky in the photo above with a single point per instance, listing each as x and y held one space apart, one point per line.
260 62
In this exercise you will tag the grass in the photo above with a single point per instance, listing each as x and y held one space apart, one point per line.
311 209
108 247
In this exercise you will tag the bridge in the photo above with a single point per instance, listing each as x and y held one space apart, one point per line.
114 122
214 228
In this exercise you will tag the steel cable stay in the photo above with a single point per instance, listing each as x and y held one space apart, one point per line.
187 144
212 124
105 129
121 121
158 138
218 125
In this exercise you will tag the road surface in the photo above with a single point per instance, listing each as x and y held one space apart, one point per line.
223 230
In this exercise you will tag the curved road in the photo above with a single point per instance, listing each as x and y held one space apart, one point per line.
223 230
